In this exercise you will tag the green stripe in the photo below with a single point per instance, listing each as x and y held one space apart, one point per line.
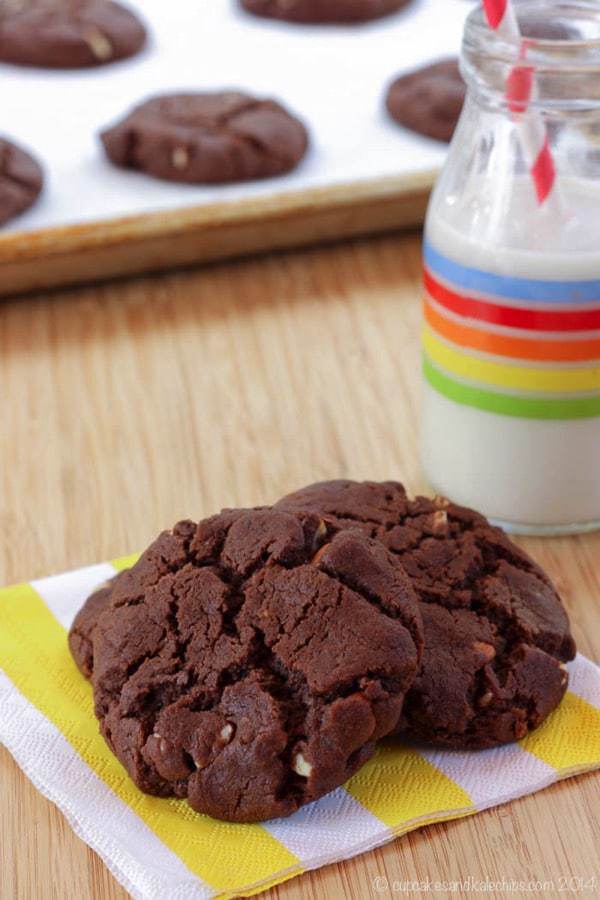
507 405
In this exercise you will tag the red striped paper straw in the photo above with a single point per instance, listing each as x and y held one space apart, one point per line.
519 88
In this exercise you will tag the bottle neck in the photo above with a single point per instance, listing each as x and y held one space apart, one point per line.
559 50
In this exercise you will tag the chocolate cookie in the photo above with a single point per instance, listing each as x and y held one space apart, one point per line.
68 34
21 180
207 138
428 100
323 11
81 634
250 662
495 629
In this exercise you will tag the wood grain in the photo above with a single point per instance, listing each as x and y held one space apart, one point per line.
127 406
161 240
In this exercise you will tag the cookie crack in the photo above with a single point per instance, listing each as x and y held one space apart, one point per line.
291 689
370 596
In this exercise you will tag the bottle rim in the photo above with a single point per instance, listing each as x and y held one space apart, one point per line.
566 68
579 50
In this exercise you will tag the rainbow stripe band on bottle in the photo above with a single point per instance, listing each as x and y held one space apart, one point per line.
511 346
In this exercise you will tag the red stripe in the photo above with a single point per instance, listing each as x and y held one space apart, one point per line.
494 10
511 316
543 172
518 88
518 93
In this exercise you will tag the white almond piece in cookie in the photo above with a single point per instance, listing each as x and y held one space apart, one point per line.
302 766
180 158
99 44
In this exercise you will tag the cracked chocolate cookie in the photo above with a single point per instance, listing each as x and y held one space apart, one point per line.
323 11
428 100
68 34
496 633
21 180
207 138
250 662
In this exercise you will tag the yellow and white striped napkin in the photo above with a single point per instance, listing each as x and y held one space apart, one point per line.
162 850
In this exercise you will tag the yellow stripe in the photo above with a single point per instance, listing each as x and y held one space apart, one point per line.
398 784
524 378
125 562
32 642
569 740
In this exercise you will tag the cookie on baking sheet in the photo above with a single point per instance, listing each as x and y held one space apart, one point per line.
207 138
429 100
68 34
21 180
250 662
323 11
496 633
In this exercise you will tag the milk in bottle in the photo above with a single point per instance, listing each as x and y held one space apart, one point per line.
511 340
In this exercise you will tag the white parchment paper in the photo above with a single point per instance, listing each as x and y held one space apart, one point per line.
333 77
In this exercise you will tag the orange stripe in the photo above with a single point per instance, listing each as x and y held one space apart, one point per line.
513 347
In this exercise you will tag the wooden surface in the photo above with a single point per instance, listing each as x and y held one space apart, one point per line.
156 241
132 404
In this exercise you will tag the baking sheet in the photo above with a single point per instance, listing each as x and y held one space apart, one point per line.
333 77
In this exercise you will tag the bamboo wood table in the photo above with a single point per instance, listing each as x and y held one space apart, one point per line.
129 405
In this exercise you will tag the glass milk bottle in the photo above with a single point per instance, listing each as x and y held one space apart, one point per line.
511 405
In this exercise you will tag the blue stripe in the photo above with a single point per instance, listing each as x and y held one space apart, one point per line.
511 288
